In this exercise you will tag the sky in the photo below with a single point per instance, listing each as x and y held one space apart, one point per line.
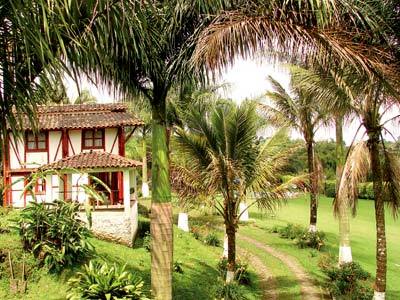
244 79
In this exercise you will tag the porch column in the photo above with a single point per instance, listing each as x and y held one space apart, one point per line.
127 200
133 203
49 188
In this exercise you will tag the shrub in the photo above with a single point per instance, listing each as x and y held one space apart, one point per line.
212 240
54 234
143 210
143 227
228 291
347 281
366 191
309 239
178 267
98 280
290 231
195 230
147 241
330 188
242 275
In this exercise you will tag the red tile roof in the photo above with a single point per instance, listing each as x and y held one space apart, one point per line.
92 160
83 116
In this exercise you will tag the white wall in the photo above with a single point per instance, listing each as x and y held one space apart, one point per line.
55 143
17 155
75 136
109 138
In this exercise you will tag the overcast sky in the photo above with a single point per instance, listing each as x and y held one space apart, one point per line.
245 79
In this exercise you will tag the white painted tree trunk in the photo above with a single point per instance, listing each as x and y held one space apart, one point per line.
230 276
312 228
183 221
345 254
244 212
225 253
379 295
145 190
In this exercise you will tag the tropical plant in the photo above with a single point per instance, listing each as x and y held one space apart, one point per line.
220 152
54 233
297 109
99 280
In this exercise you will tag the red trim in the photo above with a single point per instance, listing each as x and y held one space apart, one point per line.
58 147
64 137
16 152
115 140
121 141
46 134
70 143
120 187
83 147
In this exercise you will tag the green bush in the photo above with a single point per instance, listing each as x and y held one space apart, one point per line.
290 231
366 191
347 281
212 240
178 267
54 234
143 227
143 210
195 230
310 239
242 275
98 280
147 241
228 291
330 188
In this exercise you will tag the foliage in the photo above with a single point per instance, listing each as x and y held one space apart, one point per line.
147 241
290 231
143 210
228 291
330 188
196 232
302 236
143 227
178 267
347 281
99 280
366 191
54 233
242 274
311 239
212 239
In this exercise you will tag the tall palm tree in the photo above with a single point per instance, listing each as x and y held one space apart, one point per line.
220 153
325 88
298 110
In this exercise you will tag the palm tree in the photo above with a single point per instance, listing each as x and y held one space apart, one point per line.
325 90
369 99
298 110
219 153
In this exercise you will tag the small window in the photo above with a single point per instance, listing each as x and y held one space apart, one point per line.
93 139
40 187
36 142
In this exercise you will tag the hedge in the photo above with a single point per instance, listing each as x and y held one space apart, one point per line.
365 189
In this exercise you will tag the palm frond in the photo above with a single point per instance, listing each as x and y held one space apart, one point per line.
355 171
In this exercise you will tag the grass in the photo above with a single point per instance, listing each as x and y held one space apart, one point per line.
362 236
198 262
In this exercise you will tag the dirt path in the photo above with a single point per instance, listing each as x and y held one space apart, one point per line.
308 290
266 279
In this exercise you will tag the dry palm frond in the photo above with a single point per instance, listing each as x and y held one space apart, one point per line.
355 171
391 181
295 33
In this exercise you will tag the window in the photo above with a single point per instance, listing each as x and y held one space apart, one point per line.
93 139
40 187
36 142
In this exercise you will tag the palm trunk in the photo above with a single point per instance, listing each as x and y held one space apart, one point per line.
161 208
145 185
377 177
345 255
313 186
230 230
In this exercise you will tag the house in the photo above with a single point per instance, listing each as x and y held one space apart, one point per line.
73 145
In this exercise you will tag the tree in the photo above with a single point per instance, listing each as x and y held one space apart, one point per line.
298 110
219 152
330 92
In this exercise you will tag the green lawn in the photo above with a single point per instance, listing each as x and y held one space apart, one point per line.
197 281
362 236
